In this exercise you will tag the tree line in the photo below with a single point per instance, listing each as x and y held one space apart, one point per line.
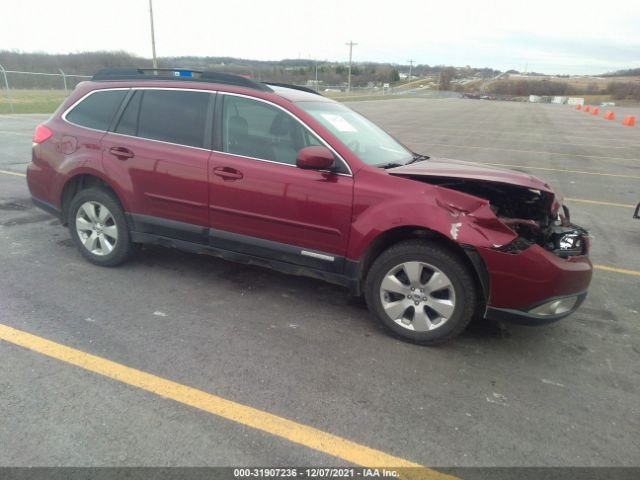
296 71
300 71
631 72
624 90
519 87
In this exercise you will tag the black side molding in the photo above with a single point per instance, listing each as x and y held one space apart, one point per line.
167 228
239 248
47 207
343 280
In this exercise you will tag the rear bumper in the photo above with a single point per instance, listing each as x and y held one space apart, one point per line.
39 182
528 315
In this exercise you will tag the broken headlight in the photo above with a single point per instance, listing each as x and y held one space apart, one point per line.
568 241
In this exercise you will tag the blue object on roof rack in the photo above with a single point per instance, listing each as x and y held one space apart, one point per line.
179 74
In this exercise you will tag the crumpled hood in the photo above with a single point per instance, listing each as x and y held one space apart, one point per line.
449 168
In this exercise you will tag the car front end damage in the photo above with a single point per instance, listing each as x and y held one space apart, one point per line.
537 265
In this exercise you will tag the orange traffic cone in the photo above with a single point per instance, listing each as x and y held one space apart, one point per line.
609 116
578 107
587 108
595 111
629 121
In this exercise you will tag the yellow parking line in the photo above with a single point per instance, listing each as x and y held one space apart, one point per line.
562 170
516 133
476 147
598 202
578 200
6 172
547 142
617 270
576 142
526 167
305 435
499 137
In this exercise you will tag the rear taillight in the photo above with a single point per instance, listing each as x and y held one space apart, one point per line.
42 134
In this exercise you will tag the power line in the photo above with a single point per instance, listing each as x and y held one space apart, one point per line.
410 67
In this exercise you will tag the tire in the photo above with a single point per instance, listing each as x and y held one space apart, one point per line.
98 227
424 279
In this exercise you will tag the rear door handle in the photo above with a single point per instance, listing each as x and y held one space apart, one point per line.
121 153
228 173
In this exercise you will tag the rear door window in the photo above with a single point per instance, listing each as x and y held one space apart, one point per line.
174 116
128 123
97 110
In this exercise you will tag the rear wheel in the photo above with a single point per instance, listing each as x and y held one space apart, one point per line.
421 291
99 228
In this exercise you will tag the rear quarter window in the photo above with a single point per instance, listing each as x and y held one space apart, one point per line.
97 110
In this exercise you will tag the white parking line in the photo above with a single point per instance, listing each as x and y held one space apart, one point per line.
20 134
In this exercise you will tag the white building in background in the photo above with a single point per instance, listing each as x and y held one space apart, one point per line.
575 101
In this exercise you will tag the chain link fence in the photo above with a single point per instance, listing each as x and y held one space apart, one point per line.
34 92
339 92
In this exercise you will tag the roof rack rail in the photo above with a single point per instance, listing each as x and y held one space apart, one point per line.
295 87
178 74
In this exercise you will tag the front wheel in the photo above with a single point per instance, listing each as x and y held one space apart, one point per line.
421 291
99 228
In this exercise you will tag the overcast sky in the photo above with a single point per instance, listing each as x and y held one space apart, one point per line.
558 36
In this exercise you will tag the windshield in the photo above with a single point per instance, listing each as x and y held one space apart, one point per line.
364 138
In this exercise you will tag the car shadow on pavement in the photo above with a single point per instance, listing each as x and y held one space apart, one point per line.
319 293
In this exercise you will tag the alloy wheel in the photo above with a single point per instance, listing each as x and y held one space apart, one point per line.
96 228
417 296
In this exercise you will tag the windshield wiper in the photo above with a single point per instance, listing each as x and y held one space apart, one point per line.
418 158
390 165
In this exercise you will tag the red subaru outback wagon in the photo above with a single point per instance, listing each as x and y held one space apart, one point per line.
280 176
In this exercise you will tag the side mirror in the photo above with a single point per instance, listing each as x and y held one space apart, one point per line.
315 158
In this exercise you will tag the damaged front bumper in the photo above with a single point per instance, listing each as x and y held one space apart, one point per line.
532 262
534 286
546 311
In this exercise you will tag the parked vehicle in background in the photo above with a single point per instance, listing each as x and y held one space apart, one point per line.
283 177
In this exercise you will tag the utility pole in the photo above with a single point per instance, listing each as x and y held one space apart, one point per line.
410 68
153 36
351 45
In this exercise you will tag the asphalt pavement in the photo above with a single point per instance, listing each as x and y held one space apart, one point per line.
499 395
